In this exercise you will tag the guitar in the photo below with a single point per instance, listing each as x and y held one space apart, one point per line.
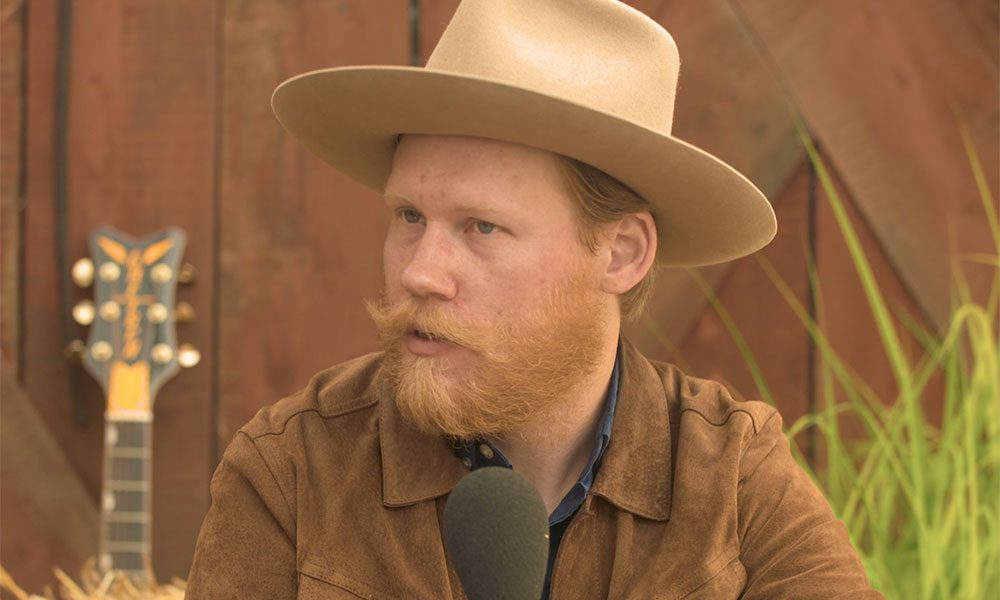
131 351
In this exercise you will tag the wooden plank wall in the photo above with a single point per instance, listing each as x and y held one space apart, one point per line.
170 124
141 148
51 519
300 246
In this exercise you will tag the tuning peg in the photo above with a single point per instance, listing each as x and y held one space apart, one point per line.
101 351
162 353
157 313
183 312
83 312
188 356
161 273
109 271
83 272
110 311
74 352
187 274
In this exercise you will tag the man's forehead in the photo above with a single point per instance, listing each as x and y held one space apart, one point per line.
469 167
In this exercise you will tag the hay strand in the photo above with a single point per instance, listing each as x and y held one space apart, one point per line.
95 585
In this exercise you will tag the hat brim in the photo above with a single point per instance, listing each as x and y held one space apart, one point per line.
706 211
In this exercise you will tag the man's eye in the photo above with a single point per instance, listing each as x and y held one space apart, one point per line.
485 227
410 215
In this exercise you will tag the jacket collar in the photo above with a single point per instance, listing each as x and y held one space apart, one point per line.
415 466
635 473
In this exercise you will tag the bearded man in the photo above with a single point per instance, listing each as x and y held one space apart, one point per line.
534 186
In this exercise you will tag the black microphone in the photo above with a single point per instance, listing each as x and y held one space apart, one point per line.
496 531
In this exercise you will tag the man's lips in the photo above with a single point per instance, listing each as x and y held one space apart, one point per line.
426 343
426 335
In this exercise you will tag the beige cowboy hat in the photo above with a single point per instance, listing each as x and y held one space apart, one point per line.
591 79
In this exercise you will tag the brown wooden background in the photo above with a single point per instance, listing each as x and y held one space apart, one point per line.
169 124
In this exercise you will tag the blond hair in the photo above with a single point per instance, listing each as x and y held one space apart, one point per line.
601 199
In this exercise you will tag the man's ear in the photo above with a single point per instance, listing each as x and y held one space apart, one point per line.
633 250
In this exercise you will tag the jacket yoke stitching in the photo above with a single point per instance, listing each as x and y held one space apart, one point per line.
364 402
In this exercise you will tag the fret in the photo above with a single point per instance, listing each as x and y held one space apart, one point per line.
132 563
126 532
117 485
124 501
129 452
127 517
129 434
125 547
128 469
126 415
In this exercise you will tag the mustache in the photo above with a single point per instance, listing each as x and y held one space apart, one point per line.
397 320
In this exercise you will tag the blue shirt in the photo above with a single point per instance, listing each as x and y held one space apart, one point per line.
481 453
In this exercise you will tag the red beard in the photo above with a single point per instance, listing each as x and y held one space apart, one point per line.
518 370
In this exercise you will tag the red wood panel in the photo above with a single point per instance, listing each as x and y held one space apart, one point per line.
877 82
983 17
434 17
300 245
12 126
47 520
44 371
729 104
53 512
141 158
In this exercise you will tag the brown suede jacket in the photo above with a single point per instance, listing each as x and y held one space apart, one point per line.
330 494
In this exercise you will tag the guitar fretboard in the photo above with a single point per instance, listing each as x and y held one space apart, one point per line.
126 506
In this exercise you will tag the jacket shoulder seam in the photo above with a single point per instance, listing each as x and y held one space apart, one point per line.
277 483
363 402
729 415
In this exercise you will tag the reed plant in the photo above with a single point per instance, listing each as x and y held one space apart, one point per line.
918 491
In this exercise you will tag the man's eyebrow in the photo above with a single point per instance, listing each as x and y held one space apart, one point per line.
487 208
483 209
389 196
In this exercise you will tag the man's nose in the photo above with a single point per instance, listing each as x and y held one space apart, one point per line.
430 270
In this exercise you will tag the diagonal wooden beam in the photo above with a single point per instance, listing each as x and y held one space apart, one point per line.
34 466
11 161
730 105
877 83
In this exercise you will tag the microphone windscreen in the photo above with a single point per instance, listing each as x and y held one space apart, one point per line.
496 533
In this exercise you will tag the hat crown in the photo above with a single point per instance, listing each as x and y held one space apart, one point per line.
599 53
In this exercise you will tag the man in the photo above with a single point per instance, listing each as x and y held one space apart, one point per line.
533 184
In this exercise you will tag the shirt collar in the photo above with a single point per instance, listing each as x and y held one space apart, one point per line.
574 498
635 473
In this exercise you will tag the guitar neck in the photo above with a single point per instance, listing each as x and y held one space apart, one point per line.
126 524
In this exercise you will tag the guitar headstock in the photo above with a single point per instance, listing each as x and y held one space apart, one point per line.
132 347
